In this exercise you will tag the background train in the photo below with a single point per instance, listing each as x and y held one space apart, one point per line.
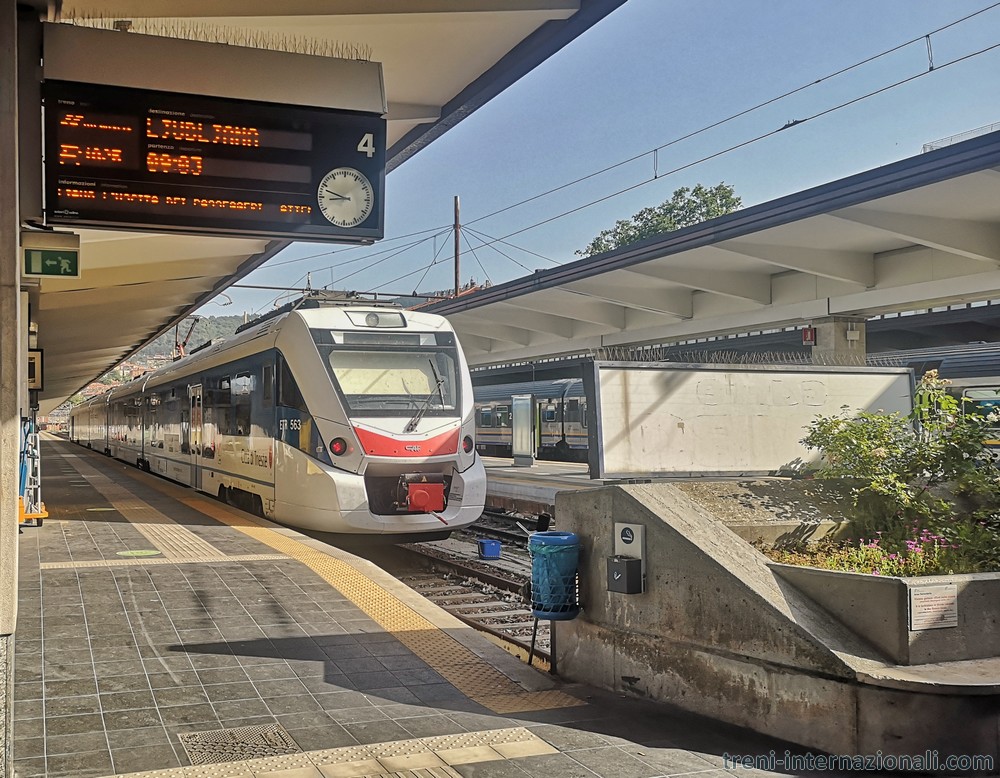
559 410
559 407
335 418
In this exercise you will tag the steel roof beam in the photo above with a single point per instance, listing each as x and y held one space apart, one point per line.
644 296
575 307
966 238
739 285
476 343
855 267
530 318
413 112
495 331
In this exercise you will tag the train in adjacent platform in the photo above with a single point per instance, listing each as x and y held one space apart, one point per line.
973 373
559 407
559 418
349 418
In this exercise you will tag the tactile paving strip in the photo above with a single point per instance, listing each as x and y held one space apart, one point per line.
172 539
462 668
215 558
430 757
240 743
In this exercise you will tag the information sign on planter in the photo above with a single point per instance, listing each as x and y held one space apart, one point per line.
933 607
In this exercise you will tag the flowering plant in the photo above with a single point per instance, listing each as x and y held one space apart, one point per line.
897 461
926 488
926 553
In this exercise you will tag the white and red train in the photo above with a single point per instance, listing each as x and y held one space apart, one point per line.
349 418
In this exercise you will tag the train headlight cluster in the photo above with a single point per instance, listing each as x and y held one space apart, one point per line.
376 318
467 444
338 447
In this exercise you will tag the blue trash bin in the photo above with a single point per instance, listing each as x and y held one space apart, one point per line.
554 559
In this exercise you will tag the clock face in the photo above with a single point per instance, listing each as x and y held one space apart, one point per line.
345 197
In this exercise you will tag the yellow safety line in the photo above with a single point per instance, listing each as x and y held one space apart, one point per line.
462 668
173 539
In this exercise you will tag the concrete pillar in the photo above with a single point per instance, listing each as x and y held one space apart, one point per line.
10 373
840 340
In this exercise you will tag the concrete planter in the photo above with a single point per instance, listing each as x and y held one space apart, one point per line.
918 620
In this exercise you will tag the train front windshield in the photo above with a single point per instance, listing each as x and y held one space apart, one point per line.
393 373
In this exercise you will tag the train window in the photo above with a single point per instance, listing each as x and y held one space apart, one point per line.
288 391
485 417
242 386
503 415
572 410
984 402
268 384
218 404
549 414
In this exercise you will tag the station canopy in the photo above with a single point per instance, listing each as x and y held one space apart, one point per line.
441 60
915 234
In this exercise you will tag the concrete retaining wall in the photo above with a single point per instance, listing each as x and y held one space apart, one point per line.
879 608
718 633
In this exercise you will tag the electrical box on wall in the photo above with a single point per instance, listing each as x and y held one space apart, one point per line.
627 568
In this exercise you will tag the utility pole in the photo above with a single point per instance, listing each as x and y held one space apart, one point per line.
458 232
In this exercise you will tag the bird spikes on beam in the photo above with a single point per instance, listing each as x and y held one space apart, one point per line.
229 36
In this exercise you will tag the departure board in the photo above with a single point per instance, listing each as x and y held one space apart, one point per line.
142 160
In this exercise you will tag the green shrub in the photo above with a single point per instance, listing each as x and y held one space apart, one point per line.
927 490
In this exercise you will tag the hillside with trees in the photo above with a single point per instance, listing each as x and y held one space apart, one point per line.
205 328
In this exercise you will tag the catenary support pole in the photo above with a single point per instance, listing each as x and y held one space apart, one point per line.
458 249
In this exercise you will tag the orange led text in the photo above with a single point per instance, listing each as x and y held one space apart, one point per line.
80 120
199 132
174 163
81 155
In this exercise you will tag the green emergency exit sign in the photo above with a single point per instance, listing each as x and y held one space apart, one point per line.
60 263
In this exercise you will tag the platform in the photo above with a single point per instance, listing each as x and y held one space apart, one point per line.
533 489
161 630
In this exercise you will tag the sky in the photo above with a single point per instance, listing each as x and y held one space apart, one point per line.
649 73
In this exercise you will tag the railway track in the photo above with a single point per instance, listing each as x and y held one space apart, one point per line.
499 613
487 594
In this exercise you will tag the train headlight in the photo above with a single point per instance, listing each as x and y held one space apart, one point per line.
371 319
338 447
467 444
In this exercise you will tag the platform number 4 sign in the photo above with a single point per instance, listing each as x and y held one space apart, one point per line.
367 145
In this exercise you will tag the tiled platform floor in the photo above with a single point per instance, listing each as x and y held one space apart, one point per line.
117 656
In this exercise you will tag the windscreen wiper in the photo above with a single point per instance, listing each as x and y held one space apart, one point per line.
411 425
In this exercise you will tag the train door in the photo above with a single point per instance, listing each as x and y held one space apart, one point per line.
197 423
522 430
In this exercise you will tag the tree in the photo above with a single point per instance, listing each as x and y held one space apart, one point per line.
685 207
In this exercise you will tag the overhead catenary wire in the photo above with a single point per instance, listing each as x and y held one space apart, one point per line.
483 243
475 256
392 251
332 252
655 151
373 264
491 242
434 261
753 140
